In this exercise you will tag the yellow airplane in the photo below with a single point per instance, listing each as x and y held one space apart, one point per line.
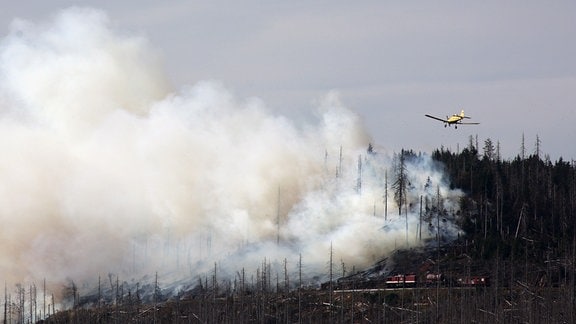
454 119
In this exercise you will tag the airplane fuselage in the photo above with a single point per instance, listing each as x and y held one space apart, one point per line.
454 119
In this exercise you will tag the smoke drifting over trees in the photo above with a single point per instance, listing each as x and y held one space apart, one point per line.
106 168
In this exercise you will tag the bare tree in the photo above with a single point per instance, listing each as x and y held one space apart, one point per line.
386 195
537 146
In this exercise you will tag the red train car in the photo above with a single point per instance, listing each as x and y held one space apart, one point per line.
401 280
474 281
434 278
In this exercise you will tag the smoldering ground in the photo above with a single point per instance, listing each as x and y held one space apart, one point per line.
107 168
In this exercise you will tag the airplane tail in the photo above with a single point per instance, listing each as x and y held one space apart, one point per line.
462 113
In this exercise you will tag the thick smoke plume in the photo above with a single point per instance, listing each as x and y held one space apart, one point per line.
106 169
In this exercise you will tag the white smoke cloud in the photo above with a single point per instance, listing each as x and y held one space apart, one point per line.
105 169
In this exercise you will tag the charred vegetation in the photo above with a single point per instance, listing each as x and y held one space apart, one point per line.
518 227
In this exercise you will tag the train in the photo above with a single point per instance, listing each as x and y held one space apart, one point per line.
409 280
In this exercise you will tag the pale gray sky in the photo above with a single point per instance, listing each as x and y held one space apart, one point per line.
510 64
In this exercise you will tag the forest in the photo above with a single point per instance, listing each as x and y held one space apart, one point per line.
521 209
519 225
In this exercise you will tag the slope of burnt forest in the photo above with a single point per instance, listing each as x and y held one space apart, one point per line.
518 227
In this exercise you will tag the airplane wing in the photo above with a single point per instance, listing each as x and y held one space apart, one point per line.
468 123
440 119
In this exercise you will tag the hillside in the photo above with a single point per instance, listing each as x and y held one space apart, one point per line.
518 221
518 226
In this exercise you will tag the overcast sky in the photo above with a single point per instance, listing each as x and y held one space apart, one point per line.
510 64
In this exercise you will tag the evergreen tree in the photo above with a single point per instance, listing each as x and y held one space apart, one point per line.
400 185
